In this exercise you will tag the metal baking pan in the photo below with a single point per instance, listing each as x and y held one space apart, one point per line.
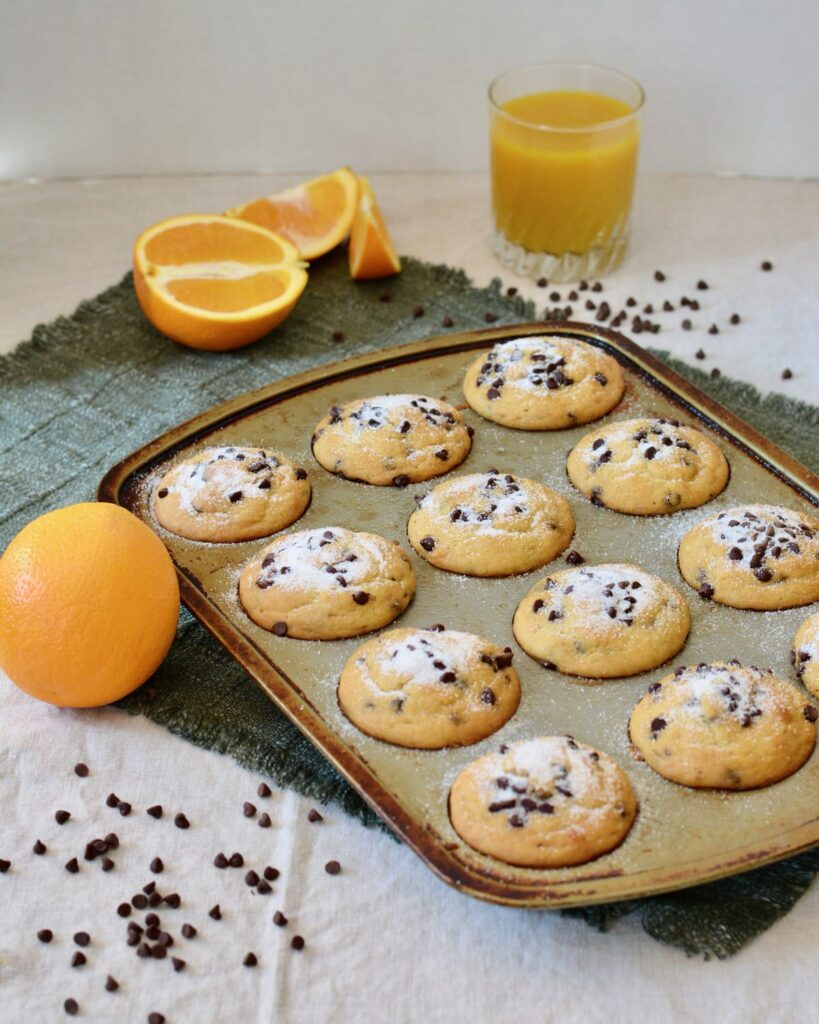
681 837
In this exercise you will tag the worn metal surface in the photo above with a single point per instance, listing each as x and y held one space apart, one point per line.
681 837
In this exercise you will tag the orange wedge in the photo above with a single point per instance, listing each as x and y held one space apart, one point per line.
371 253
215 283
315 216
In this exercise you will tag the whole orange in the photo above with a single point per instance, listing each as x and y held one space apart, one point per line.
88 605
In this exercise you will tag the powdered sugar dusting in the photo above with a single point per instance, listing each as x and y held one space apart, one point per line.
489 503
223 476
322 559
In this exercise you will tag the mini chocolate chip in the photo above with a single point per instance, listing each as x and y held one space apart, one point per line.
706 591
248 809
601 379
251 878
162 492
111 984
541 283
401 480
279 919
650 452
140 901
702 286
713 329
271 873
124 808
78 959
181 821
658 724
490 317
597 287
173 899
215 912
297 942
236 860
82 938
71 1007
763 574
361 597
234 497
280 628
178 964
263 790
124 910
313 815
152 921
157 866
250 960
73 866
715 372
188 931
265 820
220 861
766 265
46 934
39 848
427 543
156 1018
659 275
332 867
337 336
155 811
810 713
81 770
735 318
61 817
447 321
787 374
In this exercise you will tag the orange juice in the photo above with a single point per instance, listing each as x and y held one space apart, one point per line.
563 168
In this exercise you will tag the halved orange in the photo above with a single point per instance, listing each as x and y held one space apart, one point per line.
315 216
215 283
371 253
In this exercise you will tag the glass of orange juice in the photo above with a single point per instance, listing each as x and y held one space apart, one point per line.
564 140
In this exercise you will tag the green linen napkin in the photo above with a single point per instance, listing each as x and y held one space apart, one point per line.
86 390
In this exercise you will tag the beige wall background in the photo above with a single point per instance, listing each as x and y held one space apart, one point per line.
113 87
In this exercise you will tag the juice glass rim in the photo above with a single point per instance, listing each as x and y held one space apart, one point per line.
584 129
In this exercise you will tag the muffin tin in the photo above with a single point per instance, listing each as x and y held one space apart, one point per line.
681 836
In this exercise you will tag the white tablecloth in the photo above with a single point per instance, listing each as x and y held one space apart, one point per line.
385 940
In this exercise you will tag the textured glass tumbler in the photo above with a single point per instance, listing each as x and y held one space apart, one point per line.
564 140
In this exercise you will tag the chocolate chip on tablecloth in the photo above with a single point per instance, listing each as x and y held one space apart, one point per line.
337 336
73 866
236 860
447 320
172 900
4 866
81 769
78 959
71 1007
735 318
124 808
250 960
45 935
220 861
39 848
155 811
157 866
716 372
156 1018
215 912
766 265
713 329
178 964
702 285
181 821
111 984
575 558
686 325
332 867
251 878
279 919
490 317
139 901
248 809
297 942
787 374
124 910
82 938
271 873
264 888
699 354
61 817
417 312
112 800
188 931
263 790
265 820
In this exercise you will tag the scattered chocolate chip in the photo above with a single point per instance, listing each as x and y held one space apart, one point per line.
575 558
541 282
301 474
250 960
71 1007
279 919
124 910
149 888
45 935
173 899
265 820
251 878
702 286
156 1018
124 808
39 848
248 809
417 311
152 920
271 873
140 901
61 817
72 866
263 790
716 372
188 931
155 811
220 861
264 887
401 480
162 492
154 899
766 265
787 374
215 912
490 317
687 325
81 770
706 591
447 321
699 354
111 984
713 329
280 628
332 867
337 336
735 318
157 866
82 938
78 959
236 860
297 942
313 815
597 287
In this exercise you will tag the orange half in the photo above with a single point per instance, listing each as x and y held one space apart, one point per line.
315 216
371 254
215 283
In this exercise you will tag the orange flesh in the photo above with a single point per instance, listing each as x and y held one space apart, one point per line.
214 242
221 295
